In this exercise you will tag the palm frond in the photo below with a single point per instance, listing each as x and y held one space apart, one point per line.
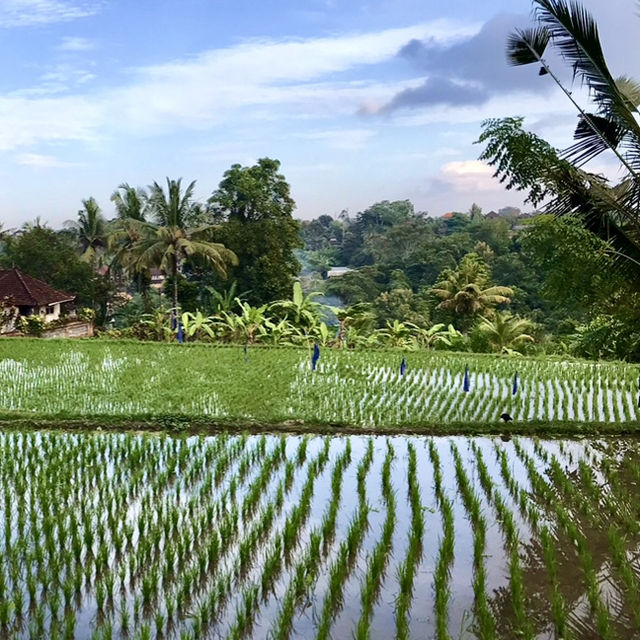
527 46
630 89
575 33
594 134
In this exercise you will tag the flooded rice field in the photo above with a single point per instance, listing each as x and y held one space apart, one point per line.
136 536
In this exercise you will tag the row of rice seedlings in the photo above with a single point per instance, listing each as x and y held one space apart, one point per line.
329 522
528 507
179 566
374 576
442 573
485 623
407 570
529 511
195 581
622 524
559 607
346 556
306 570
578 539
510 532
374 393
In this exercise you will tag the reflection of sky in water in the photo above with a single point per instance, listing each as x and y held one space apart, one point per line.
68 471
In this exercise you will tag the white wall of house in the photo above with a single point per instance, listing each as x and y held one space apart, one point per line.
50 312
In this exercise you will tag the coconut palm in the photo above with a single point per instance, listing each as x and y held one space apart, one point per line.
465 291
506 332
131 203
131 207
166 242
610 125
91 230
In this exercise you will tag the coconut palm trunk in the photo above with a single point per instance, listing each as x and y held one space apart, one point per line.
175 285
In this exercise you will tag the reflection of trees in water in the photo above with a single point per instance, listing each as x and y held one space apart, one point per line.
616 503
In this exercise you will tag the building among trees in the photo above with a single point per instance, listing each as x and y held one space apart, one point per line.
22 295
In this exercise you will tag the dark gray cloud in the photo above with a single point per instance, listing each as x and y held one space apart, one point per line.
439 90
472 71
467 72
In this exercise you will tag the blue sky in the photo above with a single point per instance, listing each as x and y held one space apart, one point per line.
360 100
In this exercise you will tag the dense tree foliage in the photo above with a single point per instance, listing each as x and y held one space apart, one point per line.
255 210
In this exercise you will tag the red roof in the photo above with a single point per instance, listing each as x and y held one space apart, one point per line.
27 291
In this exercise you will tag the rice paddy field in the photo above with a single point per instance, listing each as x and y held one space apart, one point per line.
60 379
106 535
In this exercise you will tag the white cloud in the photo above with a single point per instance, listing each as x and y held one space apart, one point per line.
467 175
257 78
264 72
23 13
24 121
41 161
76 43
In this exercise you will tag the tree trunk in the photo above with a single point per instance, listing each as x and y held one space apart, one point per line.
175 288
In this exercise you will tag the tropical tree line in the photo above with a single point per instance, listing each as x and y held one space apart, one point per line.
244 233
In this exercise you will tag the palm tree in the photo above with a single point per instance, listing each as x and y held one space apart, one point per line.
611 125
167 241
506 332
131 203
91 229
131 206
465 291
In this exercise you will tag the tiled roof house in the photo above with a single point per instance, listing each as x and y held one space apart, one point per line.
29 296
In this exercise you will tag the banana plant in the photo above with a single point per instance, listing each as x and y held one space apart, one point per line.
430 337
280 332
196 325
156 326
451 339
398 334
226 299
251 319
301 310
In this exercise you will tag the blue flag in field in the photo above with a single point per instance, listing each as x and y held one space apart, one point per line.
403 366
466 385
515 384
246 354
180 333
315 357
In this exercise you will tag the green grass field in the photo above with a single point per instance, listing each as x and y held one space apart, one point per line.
129 381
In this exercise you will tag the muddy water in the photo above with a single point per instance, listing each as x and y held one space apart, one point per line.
108 483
